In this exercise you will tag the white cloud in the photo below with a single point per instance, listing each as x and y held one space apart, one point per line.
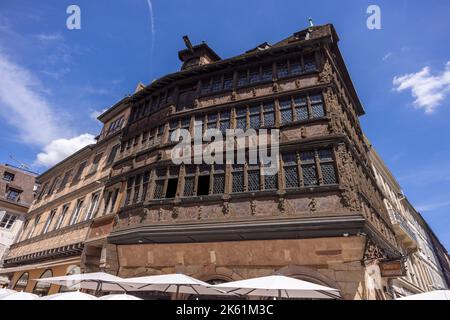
60 149
23 105
387 56
49 36
428 90
432 206
94 114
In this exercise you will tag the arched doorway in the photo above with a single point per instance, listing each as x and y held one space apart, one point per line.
71 270
42 288
22 282
214 281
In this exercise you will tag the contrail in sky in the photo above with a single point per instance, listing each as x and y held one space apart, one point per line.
152 29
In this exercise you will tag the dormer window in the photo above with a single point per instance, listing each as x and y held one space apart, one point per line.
8 176
198 55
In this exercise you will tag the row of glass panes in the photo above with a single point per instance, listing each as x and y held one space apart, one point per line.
299 169
57 184
77 210
291 109
305 168
261 73
155 102
280 69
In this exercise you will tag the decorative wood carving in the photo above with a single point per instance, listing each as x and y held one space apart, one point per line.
175 212
313 205
346 175
275 87
373 253
226 209
326 75
282 205
253 207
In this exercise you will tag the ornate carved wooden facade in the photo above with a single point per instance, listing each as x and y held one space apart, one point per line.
325 187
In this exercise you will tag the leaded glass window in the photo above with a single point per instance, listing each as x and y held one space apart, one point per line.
173 125
253 176
159 134
159 184
286 111
224 121
308 168
242 78
328 173
290 170
267 72
137 186
129 190
310 63
241 118
212 121
301 108
271 182
296 67
159 188
282 69
254 75
145 181
189 186
219 179
216 84
228 82
309 174
238 178
327 166
189 180
269 115
317 109
255 118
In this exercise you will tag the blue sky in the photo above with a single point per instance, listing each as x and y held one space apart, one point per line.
54 80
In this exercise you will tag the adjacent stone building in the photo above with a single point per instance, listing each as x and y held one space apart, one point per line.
17 187
65 230
423 270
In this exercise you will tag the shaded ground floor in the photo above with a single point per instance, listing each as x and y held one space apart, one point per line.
338 262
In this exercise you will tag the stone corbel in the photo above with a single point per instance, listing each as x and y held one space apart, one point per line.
253 207
282 205
313 205
373 253
275 87
175 212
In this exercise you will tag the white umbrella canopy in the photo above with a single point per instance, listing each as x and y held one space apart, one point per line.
431 295
119 297
73 295
4 292
92 281
279 286
20 296
178 283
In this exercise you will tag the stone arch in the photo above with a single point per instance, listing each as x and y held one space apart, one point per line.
219 273
308 274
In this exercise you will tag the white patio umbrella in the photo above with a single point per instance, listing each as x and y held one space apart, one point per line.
19 296
4 292
71 295
431 295
178 283
123 296
98 281
279 286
